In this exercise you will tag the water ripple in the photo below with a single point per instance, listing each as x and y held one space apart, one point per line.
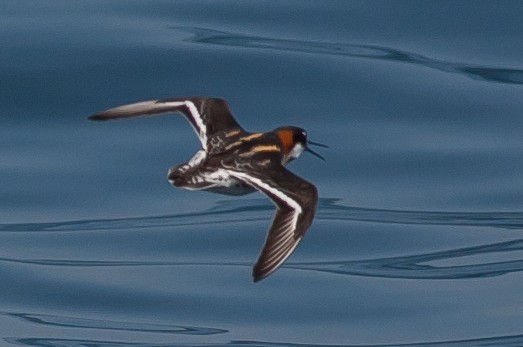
86 323
330 209
496 341
484 73
415 267
405 267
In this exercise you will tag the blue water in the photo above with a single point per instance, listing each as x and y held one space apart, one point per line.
418 239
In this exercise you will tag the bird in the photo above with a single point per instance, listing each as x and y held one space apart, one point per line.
233 161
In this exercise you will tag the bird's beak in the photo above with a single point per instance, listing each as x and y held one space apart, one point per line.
318 144
313 152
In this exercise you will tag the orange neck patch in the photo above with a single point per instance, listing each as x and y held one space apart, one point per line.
286 138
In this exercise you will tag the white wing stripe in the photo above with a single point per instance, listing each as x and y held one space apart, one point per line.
202 133
257 182
278 249
168 104
197 159
284 227
284 236
201 129
282 239
289 227
282 259
286 243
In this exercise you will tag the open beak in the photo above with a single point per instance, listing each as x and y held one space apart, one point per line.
315 153
318 144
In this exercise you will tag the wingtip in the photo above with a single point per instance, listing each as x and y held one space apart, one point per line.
257 279
257 276
97 117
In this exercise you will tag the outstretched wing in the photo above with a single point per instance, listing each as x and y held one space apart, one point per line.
295 200
206 115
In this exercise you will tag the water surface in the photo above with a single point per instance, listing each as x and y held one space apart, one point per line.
418 235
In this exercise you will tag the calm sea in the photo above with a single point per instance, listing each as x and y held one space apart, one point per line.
418 239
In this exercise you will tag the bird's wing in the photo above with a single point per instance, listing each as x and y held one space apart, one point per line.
206 115
295 200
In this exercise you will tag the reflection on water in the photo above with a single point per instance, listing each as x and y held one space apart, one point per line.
228 212
506 341
484 73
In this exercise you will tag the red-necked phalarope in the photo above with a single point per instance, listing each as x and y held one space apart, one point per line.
236 162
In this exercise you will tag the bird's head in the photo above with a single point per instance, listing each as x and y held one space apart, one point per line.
295 141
